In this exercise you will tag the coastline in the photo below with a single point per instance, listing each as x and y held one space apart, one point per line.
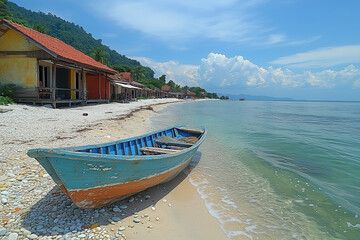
173 210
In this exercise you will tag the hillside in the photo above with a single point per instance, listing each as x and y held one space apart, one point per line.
71 34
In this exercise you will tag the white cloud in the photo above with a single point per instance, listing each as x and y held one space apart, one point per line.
324 57
181 74
219 73
231 71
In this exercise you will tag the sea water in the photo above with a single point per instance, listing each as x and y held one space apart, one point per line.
277 170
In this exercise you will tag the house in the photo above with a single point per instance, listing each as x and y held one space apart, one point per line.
189 94
178 95
165 91
126 77
166 88
156 93
124 88
46 70
144 92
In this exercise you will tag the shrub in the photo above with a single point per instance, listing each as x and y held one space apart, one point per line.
6 91
6 100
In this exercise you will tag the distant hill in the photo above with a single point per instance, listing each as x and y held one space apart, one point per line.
254 98
71 34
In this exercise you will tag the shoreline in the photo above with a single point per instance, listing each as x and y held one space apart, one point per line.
173 210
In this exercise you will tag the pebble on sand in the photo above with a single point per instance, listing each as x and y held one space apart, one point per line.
13 236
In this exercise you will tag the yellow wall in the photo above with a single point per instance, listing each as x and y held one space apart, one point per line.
13 41
72 83
19 70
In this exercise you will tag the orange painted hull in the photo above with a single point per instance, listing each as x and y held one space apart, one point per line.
101 196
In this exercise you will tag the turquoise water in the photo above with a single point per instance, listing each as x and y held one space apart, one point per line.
277 170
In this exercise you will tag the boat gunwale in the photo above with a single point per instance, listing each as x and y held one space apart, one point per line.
73 153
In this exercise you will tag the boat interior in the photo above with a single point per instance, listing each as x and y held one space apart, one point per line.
167 141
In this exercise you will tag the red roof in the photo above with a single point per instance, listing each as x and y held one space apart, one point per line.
126 76
122 77
55 46
165 88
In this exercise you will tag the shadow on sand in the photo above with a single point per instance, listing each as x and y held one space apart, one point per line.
55 214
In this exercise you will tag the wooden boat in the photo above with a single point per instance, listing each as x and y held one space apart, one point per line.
97 175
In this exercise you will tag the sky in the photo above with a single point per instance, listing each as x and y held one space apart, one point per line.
299 49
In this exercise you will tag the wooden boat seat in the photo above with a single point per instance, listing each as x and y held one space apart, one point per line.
178 144
158 150
191 130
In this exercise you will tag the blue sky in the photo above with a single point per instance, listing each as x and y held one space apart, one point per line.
302 49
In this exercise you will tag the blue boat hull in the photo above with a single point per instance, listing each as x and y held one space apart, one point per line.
97 175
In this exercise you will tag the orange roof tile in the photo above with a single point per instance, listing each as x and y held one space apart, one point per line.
165 88
126 76
56 46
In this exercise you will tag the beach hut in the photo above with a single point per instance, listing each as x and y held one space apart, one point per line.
123 88
45 70
190 95
178 95
165 91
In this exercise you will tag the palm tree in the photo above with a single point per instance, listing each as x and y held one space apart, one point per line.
138 72
99 54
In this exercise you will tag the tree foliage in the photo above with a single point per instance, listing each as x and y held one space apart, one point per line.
40 28
212 95
137 73
100 55
6 91
4 12
162 79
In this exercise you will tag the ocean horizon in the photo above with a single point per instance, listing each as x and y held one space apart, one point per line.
276 169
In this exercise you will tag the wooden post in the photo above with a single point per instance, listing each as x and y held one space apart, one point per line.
53 81
84 80
54 85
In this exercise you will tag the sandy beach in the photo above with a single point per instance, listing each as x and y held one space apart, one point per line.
33 207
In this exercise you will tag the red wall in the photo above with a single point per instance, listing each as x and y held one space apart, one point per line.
92 83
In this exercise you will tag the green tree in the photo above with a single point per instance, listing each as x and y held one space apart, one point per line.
122 68
171 84
138 73
162 79
99 54
4 12
200 92
212 95
177 88
40 28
